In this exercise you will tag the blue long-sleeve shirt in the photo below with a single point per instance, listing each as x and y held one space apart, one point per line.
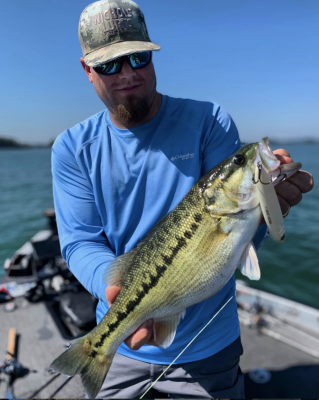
111 186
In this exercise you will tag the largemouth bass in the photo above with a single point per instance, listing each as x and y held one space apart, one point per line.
188 257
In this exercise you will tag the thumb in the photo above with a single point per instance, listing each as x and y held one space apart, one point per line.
111 294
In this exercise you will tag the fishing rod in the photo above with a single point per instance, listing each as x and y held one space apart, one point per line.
47 384
43 386
10 366
12 369
51 397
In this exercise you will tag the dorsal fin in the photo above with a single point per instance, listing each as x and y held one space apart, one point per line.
117 269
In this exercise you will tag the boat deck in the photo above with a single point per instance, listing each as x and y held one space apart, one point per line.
294 374
39 343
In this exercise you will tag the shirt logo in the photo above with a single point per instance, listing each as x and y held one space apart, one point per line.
182 157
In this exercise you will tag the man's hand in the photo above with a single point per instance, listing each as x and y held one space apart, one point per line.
143 335
290 191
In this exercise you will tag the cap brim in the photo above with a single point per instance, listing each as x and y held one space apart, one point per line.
109 53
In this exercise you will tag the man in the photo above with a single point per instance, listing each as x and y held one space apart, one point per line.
117 173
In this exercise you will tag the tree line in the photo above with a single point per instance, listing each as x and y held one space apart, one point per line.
12 143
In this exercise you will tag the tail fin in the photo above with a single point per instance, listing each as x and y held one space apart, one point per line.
81 359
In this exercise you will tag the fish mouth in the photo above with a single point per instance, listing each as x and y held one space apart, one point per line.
267 157
277 172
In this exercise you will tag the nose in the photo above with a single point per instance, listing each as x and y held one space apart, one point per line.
127 71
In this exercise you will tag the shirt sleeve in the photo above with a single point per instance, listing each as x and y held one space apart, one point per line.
84 245
221 141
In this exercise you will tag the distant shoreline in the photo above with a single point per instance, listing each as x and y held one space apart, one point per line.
299 141
26 147
10 144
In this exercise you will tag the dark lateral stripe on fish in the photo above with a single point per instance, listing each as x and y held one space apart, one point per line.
168 260
102 338
133 303
146 287
160 270
111 328
181 242
198 218
194 227
93 354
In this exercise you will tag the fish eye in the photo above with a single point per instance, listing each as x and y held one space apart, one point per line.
239 159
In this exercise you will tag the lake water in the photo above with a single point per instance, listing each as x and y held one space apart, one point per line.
289 269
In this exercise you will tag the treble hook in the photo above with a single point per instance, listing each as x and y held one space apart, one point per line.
259 165
282 176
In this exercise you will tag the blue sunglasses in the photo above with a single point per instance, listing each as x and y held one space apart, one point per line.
136 61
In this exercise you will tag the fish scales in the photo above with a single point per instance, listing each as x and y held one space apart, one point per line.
173 256
166 246
189 256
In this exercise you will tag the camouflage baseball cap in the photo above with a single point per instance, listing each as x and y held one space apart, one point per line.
109 29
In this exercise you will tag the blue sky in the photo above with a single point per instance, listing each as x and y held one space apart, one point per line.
257 58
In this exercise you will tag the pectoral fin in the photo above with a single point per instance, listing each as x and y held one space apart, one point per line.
248 264
165 329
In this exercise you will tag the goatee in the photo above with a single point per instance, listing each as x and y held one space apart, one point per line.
133 112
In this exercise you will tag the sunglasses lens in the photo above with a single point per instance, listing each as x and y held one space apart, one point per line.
140 60
136 60
111 67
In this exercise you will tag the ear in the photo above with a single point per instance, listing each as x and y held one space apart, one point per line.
87 69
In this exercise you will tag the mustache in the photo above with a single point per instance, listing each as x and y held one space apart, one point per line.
127 83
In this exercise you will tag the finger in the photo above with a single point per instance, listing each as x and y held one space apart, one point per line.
303 180
284 159
112 293
141 336
289 192
284 205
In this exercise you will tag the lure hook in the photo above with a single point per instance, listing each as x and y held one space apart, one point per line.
281 176
259 166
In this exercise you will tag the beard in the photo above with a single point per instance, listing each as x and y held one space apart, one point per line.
134 111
